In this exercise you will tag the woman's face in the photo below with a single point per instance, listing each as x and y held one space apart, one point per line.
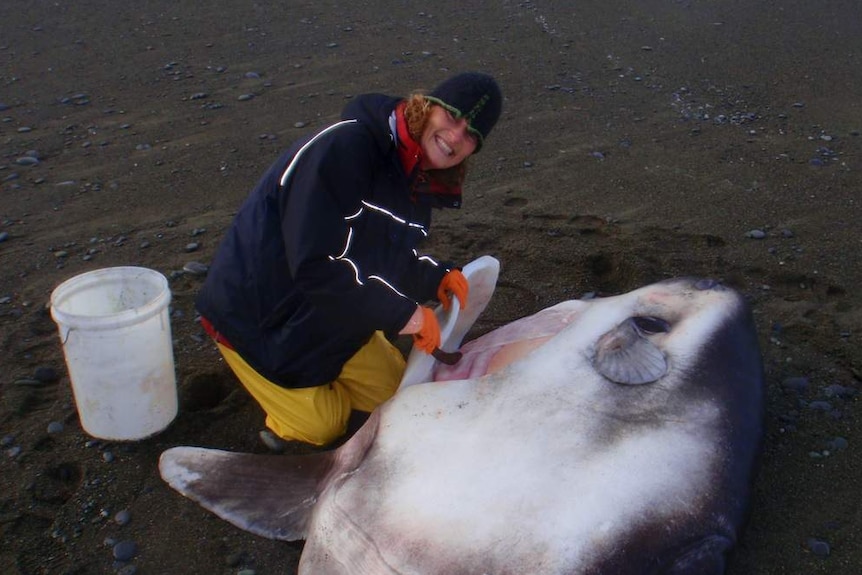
445 142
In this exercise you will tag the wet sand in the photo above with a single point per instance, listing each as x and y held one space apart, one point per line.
639 141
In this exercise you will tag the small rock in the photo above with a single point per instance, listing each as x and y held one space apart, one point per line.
755 234
55 427
837 444
192 247
196 268
122 517
125 550
46 374
108 456
818 547
4 236
796 384
839 391
245 97
28 382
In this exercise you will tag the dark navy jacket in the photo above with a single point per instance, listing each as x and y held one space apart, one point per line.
323 252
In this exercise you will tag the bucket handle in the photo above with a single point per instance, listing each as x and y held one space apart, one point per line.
65 337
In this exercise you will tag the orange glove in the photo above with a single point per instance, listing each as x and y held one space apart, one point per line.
428 337
453 283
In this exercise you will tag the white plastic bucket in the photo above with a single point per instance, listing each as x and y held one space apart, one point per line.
116 337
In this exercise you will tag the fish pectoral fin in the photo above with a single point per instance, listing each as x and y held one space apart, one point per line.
268 495
624 355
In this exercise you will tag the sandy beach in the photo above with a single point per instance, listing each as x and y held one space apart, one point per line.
640 140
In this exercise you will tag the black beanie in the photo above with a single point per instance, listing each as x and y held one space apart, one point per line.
473 96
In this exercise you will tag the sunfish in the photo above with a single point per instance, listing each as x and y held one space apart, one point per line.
613 435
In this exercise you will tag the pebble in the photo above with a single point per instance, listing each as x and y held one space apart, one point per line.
245 97
840 391
4 236
818 547
796 384
55 427
299 124
837 444
28 382
108 456
820 406
27 161
46 374
192 247
122 517
755 234
7 440
127 570
196 268
14 451
125 550
246 572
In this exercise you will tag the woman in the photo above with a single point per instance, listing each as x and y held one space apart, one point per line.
321 260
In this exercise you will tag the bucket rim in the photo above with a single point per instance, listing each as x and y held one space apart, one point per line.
110 320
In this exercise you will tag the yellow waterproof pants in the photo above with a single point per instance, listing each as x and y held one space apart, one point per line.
318 415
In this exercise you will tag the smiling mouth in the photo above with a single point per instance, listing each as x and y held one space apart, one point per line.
444 147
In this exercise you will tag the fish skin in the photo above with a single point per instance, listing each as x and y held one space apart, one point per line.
542 467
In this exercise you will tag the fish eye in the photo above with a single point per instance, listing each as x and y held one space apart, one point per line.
650 325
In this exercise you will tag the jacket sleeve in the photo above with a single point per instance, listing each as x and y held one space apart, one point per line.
425 276
318 212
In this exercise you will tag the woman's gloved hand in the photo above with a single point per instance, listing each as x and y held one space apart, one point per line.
453 283
425 328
